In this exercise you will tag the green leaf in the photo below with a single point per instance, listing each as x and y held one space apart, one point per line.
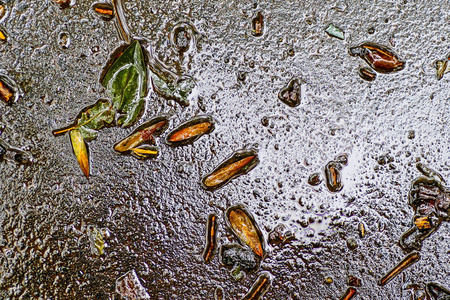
93 118
126 81
170 86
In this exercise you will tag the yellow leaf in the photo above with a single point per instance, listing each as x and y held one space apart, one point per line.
80 150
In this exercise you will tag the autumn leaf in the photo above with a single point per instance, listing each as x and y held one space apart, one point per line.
80 150
90 120
126 81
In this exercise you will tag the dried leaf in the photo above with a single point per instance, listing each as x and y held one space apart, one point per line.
144 152
260 287
239 163
211 238
80 150
126 81
103 10
93 118
190 131
245 228
143 134
379 58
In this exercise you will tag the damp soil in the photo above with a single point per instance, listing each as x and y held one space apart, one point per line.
153 213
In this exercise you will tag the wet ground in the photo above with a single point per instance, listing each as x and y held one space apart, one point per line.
153 213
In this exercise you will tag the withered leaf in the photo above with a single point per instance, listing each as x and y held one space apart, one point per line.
190 131
80 150
244 227
104 10
239 163
143 134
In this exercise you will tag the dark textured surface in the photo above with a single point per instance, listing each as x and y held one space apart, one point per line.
155 211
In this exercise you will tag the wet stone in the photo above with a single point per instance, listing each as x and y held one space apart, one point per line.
235 255
334 31
181 39
314 179
291 94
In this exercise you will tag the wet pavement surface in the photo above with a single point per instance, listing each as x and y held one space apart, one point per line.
63 236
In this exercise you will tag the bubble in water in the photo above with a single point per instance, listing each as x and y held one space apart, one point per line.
183 37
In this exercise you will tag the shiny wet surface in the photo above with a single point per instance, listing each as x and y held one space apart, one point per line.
154 212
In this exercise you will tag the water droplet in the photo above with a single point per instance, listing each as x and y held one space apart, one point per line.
314 179
183 37
241 76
